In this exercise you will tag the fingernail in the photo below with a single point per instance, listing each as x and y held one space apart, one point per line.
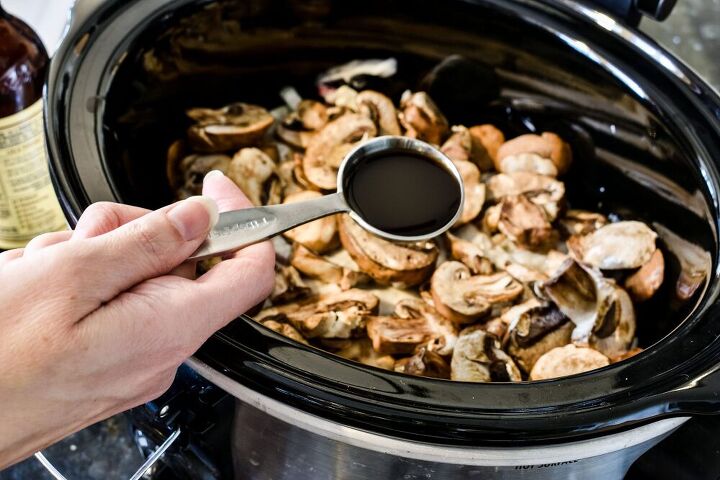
214 173
190 221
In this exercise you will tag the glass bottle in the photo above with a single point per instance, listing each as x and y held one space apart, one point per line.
28 205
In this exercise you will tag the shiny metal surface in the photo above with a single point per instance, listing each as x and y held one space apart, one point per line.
272 440
240 228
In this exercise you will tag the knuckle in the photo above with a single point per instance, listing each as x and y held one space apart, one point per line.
100 217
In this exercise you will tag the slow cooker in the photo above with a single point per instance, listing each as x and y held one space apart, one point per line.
254 405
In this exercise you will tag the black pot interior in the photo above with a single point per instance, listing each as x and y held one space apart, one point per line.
631 161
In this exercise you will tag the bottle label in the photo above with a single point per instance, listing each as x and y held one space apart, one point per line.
28 205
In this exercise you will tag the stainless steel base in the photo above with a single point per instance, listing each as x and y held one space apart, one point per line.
272 441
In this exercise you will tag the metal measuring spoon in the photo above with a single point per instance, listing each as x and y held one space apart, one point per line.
239 228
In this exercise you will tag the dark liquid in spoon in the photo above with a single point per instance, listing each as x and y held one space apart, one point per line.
402 193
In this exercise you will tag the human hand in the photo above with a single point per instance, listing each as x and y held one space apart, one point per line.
97 321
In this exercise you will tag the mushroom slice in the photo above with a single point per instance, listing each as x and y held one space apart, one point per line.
537 331
470 254
235 126
194 168
474 191
338 315
301 125
288 285
319 235
316 266
624 356
463 298
360 350
393 335
284 329
614 342
567 360
424 363
545 192
327 149
381 110
459 146
400 264
524 222
695 262
445 333
546 154
421 118
486 141
643 284
615 246
582 222
478 358
586 297
250 169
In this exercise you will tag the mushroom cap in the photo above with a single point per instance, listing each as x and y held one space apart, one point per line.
250 169
621 245
326 150
459 146
524 222
474 192
235 126
567 360
469 254
324 269
544 191
621 337
582 222
424 363
319 235
532 149
537 331
463 298
387 262
381 110
444 332
394 335
643 284
478 358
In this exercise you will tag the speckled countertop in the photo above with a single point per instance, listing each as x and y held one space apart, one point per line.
105 451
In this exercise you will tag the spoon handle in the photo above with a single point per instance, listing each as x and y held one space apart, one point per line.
239 228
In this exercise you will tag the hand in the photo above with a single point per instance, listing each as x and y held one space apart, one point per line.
97 321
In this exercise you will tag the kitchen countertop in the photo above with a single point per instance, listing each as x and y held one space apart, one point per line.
105 451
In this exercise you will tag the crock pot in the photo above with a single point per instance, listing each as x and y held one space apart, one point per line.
646 134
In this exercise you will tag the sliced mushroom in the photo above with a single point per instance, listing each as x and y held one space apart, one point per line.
284 329
299 173
301 125
537 331
474 192
250 169
361 350
445 333
624 356
327 149
463 298
286 174
486 141
567 360
496 326
546 154
339 315
194 168
235 126
425 363
524 222
421 118
643 284
319 235
343 98
615 246
478 357
695 262
586 297
545 192
288 285
379 109
470 254
613 342
403 264
316 266
581 222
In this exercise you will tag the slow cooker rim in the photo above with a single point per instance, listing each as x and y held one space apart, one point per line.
73 207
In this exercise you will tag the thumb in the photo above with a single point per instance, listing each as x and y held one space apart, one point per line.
150 246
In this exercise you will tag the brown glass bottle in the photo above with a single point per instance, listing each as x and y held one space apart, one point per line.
28 205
